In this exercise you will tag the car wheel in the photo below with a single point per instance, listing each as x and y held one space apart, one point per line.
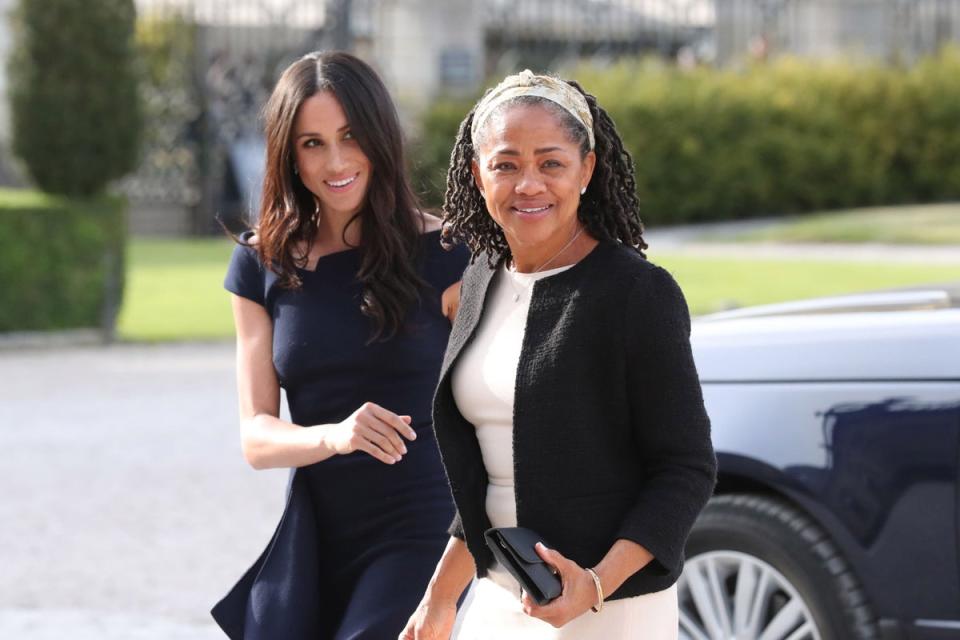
757 568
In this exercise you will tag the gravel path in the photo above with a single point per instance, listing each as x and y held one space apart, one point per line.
127 508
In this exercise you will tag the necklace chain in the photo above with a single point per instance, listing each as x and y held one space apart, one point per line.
513 266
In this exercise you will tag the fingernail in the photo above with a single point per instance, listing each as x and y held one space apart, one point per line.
403 449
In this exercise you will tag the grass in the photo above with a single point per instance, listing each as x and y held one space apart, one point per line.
174 290
25 198
174 287
714 284
937 224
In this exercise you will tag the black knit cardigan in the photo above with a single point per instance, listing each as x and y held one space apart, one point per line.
611 439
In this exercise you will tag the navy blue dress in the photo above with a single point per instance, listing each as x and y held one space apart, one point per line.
358 539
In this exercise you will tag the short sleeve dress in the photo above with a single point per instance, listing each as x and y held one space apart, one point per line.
358 539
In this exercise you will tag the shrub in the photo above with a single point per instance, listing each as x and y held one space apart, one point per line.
788 137
73 89
61 261
430 153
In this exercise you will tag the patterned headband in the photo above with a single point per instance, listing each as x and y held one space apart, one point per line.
527 83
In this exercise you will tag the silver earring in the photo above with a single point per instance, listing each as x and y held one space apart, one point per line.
583 190
296 170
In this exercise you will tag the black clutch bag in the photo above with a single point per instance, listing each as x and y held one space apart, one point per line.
513 547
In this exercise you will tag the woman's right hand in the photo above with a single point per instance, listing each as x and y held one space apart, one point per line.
372 429
430 621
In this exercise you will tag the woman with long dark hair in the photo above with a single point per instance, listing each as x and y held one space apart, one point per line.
343 298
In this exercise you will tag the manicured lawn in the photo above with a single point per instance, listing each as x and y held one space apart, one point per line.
919 224
714 284
174 289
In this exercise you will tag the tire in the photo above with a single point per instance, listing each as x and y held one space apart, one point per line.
757 567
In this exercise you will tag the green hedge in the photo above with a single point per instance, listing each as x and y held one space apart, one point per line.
430 153
61 261
787 137
75 110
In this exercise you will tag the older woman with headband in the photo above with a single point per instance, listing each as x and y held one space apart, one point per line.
568 401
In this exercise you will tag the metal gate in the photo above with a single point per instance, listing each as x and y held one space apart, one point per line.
208 67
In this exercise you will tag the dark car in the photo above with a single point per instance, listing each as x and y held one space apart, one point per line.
837 429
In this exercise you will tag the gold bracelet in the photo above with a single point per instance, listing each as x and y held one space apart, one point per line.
597 608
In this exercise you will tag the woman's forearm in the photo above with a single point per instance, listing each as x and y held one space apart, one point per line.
269 442
623 560
453 573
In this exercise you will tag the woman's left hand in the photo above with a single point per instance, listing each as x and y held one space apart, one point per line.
578 595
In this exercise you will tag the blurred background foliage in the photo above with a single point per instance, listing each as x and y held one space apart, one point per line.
61 260
77 119
430 151
163 107
791 136
75 104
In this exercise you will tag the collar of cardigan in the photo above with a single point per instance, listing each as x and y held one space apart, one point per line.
547 293
557 282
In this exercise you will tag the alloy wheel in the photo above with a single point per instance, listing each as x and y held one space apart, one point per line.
728 595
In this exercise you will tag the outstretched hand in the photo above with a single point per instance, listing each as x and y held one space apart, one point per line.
578 595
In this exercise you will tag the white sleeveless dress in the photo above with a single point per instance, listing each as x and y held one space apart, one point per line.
483 387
